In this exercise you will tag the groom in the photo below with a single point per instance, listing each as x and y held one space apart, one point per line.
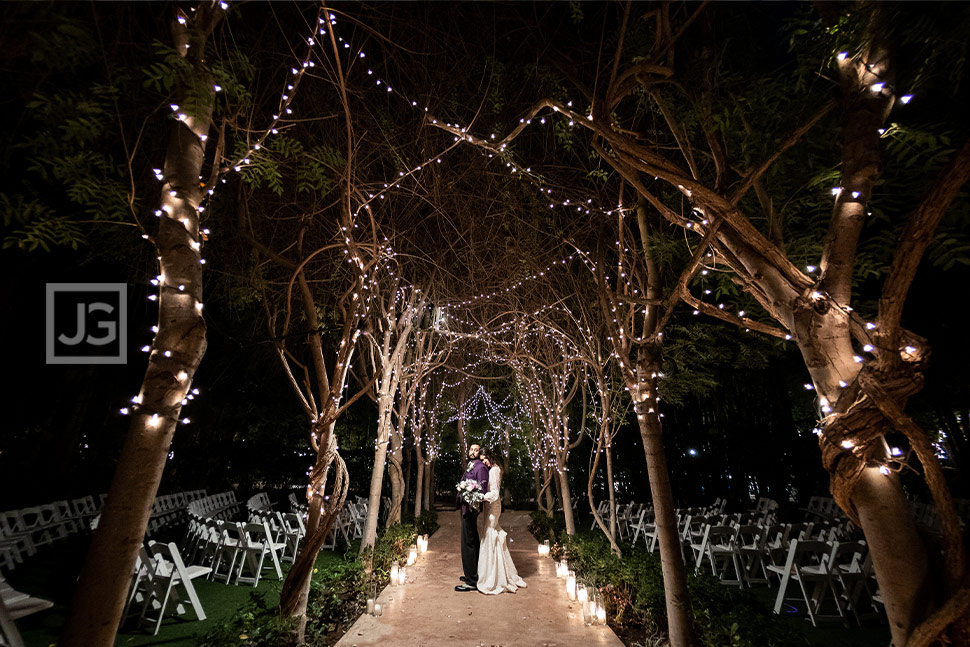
470 542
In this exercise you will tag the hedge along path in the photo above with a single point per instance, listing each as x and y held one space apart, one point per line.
428 612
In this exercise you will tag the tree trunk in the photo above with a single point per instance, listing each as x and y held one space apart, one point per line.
405 499
418 482
428 483
396 476
680 624
567 507
374 499
609 485
322 514
607 530
547 489
176 352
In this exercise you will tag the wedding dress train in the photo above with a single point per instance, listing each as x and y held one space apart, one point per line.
496 572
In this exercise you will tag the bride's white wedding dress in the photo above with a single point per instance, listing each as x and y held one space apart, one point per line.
496 572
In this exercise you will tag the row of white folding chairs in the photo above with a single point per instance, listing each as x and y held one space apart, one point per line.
751 548
927 515
764 505
169 508
259 501
22 531
286 528
236 552
162 582
349 524
217 506
822 507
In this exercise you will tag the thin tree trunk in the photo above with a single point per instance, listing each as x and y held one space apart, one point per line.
609 485
177 350
428 482
567 508
547 478
396 477
409 460
679 620
374 498
610 534
419 480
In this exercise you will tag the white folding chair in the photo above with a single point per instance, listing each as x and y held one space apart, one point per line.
9 636
808 564
170 574
719 550
751 551
257 544
14 534
848 569
295 532
601 510
19 604
228 552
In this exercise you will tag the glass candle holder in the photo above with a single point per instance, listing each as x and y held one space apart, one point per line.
571 585
395 570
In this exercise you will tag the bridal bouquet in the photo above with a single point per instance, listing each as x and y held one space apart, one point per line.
471 493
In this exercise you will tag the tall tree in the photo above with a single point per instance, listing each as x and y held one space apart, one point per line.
175 352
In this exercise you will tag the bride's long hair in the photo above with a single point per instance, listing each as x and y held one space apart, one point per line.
494 457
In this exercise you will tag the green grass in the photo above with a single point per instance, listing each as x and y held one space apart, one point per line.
51 574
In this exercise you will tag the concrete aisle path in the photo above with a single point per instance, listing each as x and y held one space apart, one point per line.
428 612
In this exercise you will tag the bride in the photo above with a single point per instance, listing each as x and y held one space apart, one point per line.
496 572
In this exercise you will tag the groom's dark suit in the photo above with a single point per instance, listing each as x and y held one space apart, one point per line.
470 542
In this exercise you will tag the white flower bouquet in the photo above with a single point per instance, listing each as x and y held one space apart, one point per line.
471 493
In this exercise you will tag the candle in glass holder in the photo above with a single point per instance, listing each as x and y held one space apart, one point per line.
571 585
600 611
581 593
412 554
378 610
562 569
395 569
370 606
423 544
589 612
402 574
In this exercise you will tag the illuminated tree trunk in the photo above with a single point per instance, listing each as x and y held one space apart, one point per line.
609 526
562 472
377 475
679 621
609 482
428 484
418 482
396 477
175 355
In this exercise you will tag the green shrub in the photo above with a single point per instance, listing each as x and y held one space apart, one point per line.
543 527
255 625
336 599
633 591
425 524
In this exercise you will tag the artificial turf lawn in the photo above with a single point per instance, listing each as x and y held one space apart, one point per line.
50 574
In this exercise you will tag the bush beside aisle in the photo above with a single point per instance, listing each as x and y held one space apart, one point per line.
338 594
